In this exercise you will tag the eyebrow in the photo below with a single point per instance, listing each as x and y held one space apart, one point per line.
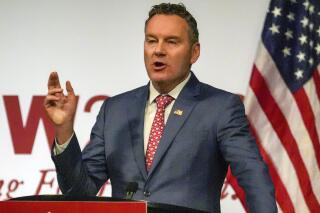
166 38
173 37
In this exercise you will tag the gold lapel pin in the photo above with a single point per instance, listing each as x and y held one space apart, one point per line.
178 112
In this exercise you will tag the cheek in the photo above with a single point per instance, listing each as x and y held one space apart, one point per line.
182 59
147 50
146 55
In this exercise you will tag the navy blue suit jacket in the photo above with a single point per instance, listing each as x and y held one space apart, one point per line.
192 158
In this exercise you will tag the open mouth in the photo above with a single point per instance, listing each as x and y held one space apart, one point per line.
159 65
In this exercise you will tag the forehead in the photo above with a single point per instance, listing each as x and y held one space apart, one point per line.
166 25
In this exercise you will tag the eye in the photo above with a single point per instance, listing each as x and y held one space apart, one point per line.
151 40
172 41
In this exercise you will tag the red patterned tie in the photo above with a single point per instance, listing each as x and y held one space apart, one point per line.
157 128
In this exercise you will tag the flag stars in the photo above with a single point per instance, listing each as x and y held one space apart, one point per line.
311 43
311 9
306 4
286 51
301 56
304 22
274 29
318 31
290 16
276 12
311 61
311 25
289 34
317 48
303 39
299 74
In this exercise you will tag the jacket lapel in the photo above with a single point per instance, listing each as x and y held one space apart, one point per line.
136 111
185 103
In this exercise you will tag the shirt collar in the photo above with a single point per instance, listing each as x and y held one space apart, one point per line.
153 93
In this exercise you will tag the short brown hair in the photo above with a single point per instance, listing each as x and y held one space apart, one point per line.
179 10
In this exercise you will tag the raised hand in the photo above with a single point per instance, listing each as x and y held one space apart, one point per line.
60 108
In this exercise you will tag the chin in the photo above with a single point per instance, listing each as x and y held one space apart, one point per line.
158 76
159 80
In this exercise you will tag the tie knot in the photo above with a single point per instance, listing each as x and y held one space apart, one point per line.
163 101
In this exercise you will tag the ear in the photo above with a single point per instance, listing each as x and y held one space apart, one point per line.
195 52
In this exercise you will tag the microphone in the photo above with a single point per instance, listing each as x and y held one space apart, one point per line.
132 187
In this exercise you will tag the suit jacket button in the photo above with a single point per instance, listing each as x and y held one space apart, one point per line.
146 193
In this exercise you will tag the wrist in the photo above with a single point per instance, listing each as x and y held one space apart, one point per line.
63 133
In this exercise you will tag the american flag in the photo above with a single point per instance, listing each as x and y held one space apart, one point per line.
282 102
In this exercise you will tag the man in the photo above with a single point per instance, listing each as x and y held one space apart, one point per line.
175 137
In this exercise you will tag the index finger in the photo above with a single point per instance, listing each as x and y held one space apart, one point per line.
53 81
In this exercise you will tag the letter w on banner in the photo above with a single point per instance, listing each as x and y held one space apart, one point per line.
282 102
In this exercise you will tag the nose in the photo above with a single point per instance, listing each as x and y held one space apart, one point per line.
159 49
